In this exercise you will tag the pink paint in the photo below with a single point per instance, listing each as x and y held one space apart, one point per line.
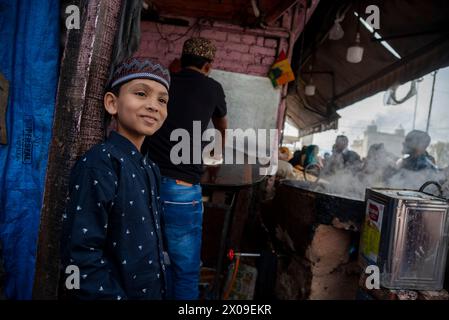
267 61
271 43
214 35
269 52
237 51
258 69
234 38
246 51
243 48
249 39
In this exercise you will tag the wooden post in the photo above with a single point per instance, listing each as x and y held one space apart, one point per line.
4 91
78 124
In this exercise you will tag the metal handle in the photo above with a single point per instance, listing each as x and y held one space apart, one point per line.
428 183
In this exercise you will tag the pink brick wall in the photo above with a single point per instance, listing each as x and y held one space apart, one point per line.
236 51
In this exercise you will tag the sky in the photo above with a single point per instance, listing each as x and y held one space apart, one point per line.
355 118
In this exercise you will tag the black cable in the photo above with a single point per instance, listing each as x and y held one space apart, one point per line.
180 37
302 40
359 16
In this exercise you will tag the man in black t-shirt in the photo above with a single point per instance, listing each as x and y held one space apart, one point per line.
195 99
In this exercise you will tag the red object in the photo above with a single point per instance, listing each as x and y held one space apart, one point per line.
282 56
373 212
231 254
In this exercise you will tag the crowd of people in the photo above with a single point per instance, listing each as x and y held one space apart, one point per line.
379 168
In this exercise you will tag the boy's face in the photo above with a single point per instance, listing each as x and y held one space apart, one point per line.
140 108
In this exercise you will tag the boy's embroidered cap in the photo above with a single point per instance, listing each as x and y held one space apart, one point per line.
140 68
199 47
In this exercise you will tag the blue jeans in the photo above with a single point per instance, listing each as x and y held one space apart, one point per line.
182 221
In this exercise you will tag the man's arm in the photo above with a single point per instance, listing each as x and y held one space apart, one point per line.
221 124
219 119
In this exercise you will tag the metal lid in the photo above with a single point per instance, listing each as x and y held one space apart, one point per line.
405 194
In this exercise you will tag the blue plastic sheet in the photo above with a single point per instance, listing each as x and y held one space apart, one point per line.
29 60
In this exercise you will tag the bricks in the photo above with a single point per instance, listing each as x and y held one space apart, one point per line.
228 55
170 57
249 58
257 69
220 44
218 64
150 44
243 48
221 54
262 50
267 61
249 39
234 55
234 66
214 35
162 45
232 37
175 47
236 51
270 43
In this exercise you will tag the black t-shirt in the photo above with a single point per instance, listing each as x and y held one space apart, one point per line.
193 97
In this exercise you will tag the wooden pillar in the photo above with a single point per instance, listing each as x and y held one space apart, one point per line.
78 124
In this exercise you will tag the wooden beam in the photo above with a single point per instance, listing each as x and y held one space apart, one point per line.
4 90
206 9
278 11
78 124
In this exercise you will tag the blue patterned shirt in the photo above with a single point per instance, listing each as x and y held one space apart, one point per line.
111 227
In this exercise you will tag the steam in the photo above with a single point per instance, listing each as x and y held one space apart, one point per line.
353 182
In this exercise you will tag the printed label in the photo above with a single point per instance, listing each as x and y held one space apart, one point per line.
372 230
27 140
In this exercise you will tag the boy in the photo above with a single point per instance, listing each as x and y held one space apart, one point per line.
112 221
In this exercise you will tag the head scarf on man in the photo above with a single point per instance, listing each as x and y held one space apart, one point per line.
416 141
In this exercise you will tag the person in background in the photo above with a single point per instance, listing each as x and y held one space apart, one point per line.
194 96
350 158
342 158
445 185
284 154
285 169
378 165
311 156
326 158
414 146
298 157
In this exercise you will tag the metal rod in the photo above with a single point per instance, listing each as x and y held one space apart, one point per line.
431 101
221 254
416 105
247 254
408 35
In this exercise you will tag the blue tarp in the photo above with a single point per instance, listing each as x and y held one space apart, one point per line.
29 60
